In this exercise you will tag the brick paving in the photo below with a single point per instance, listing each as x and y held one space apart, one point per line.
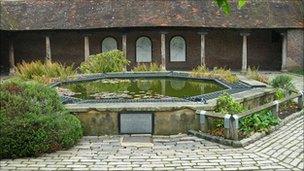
281 150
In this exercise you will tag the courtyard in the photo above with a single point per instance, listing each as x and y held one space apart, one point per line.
281 150
151 85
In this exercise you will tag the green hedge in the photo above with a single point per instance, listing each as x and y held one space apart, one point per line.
33 121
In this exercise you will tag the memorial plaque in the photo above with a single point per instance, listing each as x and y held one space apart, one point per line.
136 123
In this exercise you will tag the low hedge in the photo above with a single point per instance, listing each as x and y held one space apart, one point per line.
33 121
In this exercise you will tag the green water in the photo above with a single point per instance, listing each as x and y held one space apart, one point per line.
143 88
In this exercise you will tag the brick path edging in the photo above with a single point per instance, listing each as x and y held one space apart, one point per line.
246 141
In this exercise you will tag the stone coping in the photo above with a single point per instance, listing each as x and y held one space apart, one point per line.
141 106
246 141
165 106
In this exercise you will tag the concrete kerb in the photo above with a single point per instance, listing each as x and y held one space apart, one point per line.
249 140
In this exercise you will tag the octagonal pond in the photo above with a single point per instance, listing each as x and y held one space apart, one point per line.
139 88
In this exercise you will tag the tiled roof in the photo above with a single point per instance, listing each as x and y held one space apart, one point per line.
86 14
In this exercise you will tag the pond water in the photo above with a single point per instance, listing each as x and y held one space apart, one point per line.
139 88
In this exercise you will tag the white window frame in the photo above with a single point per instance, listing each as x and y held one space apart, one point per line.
107 39
148 56
182 57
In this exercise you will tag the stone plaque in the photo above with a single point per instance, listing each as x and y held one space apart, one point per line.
133 123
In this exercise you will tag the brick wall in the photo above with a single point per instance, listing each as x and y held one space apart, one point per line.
4 49
67 47
223 47
265 50
295 48
29 46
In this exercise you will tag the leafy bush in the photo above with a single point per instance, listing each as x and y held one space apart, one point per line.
260 121
33 121
43 72
225 104
254 74
284 82
151 67
299 71
279 94
219 73
111 61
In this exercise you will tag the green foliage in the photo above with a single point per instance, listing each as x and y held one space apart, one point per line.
254 74
299 71
219 73
33 121
225 6
279 94
260 121
284 82
225 104
151 67
43 72
111 61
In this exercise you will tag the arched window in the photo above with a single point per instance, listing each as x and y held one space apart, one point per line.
108 44
177 49
143 50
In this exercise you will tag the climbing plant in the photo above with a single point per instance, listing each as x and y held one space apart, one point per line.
225 5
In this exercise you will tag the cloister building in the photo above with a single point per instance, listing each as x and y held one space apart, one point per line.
179 35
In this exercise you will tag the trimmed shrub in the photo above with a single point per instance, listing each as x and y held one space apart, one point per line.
144 67
33 121
43 72
111 61
219 73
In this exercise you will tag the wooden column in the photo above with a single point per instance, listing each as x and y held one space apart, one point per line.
11 57
203 54
48 56
163 50
86 47
244 52
284 51
124 46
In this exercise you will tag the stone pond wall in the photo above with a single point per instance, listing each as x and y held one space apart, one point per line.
165 122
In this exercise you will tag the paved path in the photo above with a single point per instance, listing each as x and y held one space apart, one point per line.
282 150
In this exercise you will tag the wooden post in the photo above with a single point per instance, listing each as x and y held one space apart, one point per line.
203 54
244 52
227 126
284 52
203 121
11 57
48 56
300 101
86 47
275 109
163 50
234 127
